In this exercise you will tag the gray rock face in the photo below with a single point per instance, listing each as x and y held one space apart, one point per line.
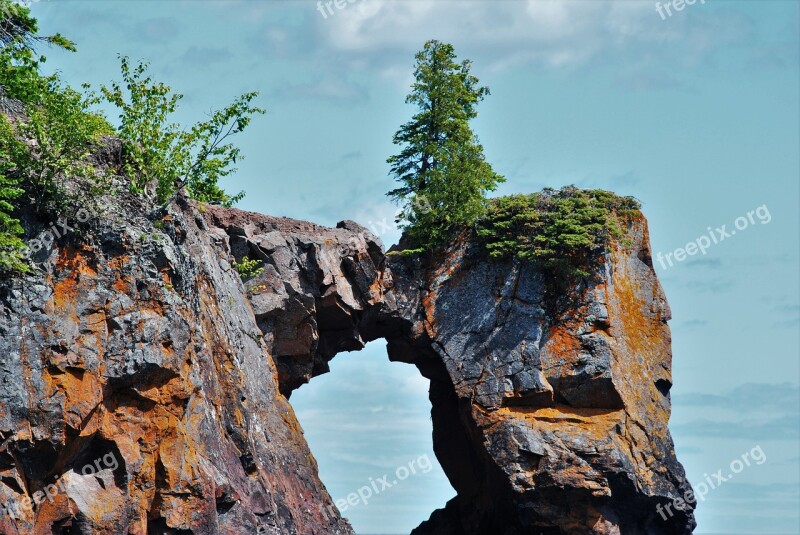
560 391
139 341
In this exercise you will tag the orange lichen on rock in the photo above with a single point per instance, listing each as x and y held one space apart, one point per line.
75 275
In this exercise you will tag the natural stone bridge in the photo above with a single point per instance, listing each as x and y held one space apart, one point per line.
138 340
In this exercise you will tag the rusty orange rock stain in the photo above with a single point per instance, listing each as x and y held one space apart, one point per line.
82 392
634 327
429 304
597 424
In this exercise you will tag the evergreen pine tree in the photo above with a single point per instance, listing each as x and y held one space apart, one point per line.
442 170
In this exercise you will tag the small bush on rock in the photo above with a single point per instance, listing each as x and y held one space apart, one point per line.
161 156
558 229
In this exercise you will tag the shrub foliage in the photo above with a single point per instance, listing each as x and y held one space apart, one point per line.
161 156
558 229
47 144
11 246
48 132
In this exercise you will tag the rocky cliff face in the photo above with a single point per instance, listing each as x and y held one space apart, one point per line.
138 352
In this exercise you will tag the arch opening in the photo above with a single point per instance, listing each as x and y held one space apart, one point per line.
368 423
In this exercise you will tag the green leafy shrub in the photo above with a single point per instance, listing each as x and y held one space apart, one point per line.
47 141
50 142
161 156
48 132
248 268
558 229
64 132
19 62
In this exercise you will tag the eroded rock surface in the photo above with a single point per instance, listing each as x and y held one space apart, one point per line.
139 341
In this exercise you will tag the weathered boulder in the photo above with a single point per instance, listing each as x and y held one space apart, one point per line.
138 342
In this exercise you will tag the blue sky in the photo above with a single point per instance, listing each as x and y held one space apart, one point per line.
695 115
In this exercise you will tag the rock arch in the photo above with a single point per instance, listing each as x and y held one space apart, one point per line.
138 340
545 417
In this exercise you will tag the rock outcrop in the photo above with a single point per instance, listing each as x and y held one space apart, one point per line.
138 351
135 351
551 404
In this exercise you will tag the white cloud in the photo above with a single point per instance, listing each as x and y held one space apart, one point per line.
378 38
546 32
